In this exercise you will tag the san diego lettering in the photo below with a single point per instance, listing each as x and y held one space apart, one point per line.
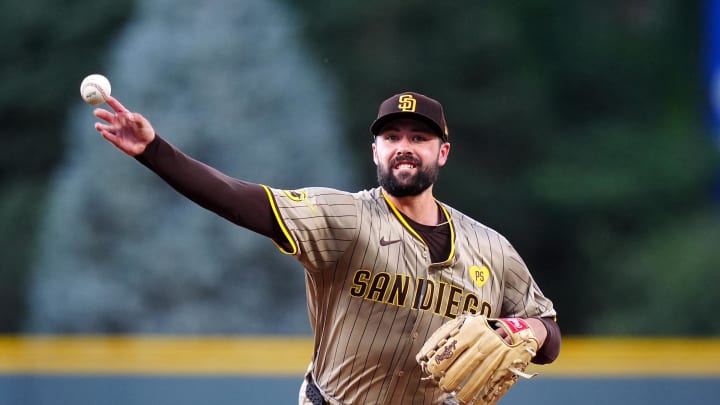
441 298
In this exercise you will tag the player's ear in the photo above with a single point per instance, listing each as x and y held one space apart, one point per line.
443 154
374 152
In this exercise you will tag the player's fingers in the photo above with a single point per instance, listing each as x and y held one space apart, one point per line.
112 138
127 120
134 120
102 128
103 114
139 121
118 119
116 105
504 335
107 134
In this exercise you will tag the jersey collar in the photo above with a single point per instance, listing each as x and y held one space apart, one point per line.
410 229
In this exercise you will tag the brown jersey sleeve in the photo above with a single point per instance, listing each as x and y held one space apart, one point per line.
243 203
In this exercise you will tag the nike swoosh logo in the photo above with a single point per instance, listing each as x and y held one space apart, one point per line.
384 242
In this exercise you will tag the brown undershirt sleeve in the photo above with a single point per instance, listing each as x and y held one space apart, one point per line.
551 348
243 203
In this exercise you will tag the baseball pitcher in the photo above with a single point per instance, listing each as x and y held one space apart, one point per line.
410 300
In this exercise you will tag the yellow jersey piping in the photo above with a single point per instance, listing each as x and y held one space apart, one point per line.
278 218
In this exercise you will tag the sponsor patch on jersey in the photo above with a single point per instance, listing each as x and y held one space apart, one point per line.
479 275
296 195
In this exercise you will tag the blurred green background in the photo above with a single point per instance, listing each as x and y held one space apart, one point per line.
579 130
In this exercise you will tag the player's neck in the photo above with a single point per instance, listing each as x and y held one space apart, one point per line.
421 208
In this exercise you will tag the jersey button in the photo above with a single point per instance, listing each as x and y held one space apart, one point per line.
401 373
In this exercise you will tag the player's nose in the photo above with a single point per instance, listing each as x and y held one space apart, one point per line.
404 144
403 151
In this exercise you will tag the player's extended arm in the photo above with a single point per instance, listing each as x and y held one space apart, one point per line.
243 203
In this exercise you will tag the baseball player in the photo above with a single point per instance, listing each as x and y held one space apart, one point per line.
384 267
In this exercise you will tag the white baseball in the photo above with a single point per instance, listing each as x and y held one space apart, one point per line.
94 89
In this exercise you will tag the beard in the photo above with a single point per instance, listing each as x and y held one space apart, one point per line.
407 185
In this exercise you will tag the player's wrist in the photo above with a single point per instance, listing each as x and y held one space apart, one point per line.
539 329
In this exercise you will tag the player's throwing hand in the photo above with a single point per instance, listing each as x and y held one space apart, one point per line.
128 131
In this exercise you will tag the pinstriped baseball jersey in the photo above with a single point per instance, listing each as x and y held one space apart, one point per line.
374 295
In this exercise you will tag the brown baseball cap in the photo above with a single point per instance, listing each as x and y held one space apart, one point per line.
412 105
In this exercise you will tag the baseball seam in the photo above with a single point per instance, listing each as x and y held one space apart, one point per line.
99 89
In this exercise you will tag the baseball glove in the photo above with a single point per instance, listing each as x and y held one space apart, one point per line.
467 357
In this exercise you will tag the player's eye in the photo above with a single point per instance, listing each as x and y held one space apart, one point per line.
423 137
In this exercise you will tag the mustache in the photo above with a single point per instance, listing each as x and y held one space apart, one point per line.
404 159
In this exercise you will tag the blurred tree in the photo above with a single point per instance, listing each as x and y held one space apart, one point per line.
669 274
47 48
